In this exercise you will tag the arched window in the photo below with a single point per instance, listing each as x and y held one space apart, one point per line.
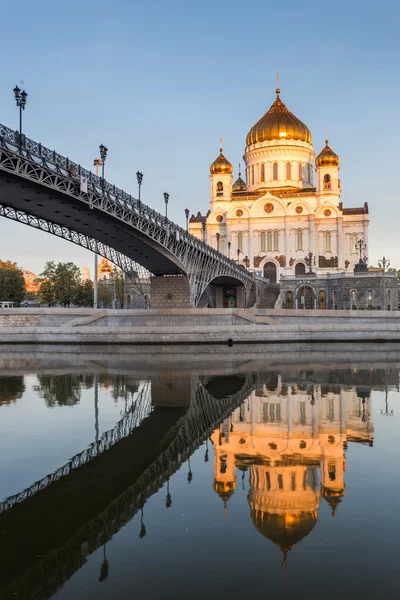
353 299
275 172
276 241
220 188
310 174
288 171
334 299
327 182
269 241
370 298
240 241
263 241
328 242
300 172
262 173
353 243
252 175
289 299
299 239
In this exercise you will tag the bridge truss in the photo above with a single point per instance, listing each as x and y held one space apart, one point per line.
195 259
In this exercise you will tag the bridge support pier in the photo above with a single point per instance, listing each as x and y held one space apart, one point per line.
170 291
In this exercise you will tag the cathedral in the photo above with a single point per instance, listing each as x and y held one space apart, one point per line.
285 212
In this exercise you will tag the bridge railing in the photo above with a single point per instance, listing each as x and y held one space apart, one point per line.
39 154
139 409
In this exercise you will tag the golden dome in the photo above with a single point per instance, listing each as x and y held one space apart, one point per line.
239 185
327 157
221 165
278 123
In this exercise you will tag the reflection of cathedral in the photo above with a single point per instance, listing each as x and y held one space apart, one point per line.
282 437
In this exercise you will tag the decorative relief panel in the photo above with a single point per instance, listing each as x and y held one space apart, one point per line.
328 263
269 207
281 260
219 218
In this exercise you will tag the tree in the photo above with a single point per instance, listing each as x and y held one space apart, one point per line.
105 293
59 284
12 282
84 296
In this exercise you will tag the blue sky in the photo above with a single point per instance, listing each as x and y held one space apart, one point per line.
159 82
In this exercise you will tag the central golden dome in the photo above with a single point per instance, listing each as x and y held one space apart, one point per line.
277 124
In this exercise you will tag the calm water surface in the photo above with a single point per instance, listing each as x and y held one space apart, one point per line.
236 479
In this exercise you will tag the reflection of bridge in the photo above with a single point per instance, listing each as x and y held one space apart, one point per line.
64 523
43 189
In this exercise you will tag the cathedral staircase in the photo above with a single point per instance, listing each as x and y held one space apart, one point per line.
269 296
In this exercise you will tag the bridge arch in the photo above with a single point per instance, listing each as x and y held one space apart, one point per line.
52 189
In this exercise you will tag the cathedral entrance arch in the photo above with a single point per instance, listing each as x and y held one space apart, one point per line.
305 297
300 269
270 271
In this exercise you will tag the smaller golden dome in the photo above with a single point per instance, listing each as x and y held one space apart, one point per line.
239 185
221 165
327 157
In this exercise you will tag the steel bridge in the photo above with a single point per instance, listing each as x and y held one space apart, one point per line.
48 574
42 189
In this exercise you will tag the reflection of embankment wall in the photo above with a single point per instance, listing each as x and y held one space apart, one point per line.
199 326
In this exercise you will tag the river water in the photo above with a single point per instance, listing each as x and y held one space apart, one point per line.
241 473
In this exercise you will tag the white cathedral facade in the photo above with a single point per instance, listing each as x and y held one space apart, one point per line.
288 206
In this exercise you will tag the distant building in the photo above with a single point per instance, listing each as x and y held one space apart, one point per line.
85 274
104 269
30 281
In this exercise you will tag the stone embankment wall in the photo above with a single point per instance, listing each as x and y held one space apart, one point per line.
195 326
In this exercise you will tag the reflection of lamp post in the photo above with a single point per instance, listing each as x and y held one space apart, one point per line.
190 474
166 198
139 177
387 412
142 532
168 500
383 263
187 218
20 99
229 249
104 566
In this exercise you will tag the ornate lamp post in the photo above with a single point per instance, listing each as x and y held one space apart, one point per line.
166 198
217 236
20 99
246 258
103 155
311 261
187 218
238 253
203 227
383 263
139 177
229 249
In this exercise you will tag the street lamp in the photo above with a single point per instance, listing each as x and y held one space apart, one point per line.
103 155
166 198
203 228
139 177
229 249
383 263
246 258
217 236
238 252
20 99
187 218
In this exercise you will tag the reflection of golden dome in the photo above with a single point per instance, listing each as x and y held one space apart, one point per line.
277 124
224 489
221 165
333 497
327 157
287 529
